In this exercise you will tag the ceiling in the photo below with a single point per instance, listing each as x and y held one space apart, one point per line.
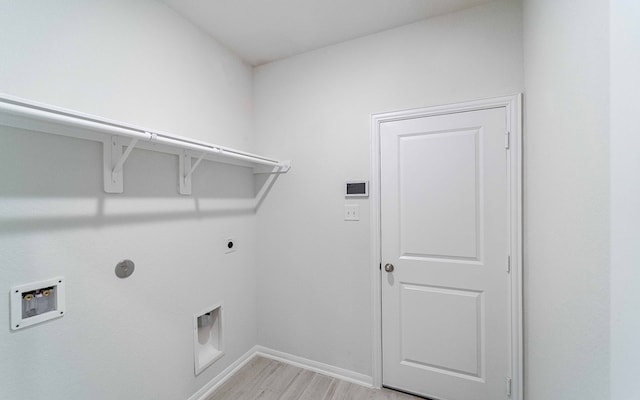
261 31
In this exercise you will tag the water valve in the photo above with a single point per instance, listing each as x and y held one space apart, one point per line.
39 301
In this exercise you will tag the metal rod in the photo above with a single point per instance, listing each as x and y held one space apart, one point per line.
252 159
124 156
212 149
66 119
46 113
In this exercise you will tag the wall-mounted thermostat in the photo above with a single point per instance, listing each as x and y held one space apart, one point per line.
356 189
36 302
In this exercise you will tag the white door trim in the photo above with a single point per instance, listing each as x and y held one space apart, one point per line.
513 105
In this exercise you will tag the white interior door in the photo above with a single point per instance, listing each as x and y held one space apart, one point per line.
445 230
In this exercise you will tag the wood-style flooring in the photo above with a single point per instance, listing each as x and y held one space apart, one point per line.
265 379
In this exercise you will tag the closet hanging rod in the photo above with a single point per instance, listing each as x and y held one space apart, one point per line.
46 113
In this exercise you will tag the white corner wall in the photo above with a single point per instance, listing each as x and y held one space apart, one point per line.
566 139
625 199
139 62
314 296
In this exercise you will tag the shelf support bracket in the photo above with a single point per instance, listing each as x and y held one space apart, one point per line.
186 170
113 160
123 157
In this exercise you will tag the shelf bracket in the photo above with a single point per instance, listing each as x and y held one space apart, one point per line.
113 160
185 171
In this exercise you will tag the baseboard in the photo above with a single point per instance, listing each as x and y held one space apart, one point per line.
315 366
221 378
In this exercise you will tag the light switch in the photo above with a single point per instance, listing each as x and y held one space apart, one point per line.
351 212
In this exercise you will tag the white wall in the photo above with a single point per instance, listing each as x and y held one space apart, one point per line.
121 339
566 199
314 297
625 199
138 62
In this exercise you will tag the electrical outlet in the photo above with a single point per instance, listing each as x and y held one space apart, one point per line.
230 245
351 212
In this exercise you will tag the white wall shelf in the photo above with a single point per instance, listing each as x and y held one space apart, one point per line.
119 139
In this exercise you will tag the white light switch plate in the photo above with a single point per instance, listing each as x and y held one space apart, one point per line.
351 212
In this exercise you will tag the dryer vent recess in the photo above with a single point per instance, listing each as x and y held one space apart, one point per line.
207 337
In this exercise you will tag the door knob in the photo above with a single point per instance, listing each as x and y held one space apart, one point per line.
389 267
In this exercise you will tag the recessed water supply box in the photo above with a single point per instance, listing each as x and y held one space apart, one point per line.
37 302
207 337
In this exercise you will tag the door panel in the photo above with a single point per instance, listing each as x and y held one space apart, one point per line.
444 224
455 344
438 216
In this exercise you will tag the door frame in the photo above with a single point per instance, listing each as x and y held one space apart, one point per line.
513 105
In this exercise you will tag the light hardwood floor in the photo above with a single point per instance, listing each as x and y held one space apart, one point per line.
265 379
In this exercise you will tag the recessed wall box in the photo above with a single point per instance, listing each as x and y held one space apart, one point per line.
356 189
37 302
207 337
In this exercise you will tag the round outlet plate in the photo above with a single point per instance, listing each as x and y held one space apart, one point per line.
125 268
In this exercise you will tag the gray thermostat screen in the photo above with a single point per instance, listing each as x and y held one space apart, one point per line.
356 188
